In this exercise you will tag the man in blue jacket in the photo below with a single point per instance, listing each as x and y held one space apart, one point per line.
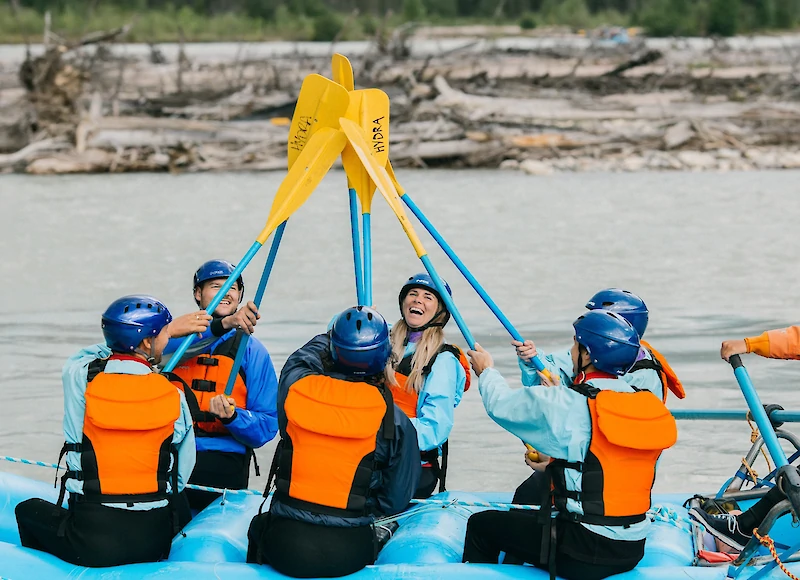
347 453
227 428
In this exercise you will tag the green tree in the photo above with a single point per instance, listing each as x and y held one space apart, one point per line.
785 13
413 10
327 26
723 17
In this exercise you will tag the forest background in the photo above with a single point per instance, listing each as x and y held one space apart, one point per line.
327 20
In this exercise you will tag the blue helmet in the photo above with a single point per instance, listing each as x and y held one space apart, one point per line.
424 281
612 341
627 304
360 341
214 269
132 318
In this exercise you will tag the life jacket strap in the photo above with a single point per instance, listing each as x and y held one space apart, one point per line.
207 361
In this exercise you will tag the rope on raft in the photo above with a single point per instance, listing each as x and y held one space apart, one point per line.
431 502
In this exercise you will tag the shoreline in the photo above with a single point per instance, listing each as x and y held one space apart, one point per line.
542 106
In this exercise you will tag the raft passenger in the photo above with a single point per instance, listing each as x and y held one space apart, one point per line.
651 371
604 437
123 474
430 375
347 453
736 530
228 429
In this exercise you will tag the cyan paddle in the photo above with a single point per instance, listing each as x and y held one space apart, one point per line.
377 172
316 93
343 75
324 147
537 361
788 477
262 286
757 411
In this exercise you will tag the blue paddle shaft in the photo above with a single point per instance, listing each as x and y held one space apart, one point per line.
448 300
367 225
237 271
356 247
262 286
537 361
758 412
730 415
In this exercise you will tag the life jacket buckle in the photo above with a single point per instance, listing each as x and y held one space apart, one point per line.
208 361
203 385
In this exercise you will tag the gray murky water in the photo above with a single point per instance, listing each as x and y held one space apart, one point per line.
713 255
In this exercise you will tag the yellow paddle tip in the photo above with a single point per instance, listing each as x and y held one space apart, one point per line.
280 121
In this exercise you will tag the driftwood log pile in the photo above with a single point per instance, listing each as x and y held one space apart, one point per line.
569 106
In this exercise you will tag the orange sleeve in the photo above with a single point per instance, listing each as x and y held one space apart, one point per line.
758 344
785 343
781 343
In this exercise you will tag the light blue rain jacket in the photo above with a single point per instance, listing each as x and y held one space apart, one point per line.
74 377
642 379
556 421
440 395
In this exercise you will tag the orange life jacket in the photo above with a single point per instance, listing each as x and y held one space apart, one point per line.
127 437
206 376
629 432
324 464
658 363
408 399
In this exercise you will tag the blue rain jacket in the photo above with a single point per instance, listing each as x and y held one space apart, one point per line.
392 487
556 421
74 377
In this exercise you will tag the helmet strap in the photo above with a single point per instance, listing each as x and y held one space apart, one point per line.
582 368
430 324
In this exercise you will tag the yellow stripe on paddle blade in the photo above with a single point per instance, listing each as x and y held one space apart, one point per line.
369 108
342 71
361 147
320 104
310 167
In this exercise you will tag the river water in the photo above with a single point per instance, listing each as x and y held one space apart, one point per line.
713 255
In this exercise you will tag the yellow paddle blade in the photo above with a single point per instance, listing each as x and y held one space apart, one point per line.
370 109
393 177
376 171
342 71
310 167
320 104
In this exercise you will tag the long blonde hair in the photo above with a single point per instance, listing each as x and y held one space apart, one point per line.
427 346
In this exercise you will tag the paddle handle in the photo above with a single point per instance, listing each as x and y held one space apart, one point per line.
367 231
537 361
262 286
356 246
757 411
237 271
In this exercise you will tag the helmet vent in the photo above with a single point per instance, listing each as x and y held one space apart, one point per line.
138 305
349 315
369 315
607 303
126 309
358 325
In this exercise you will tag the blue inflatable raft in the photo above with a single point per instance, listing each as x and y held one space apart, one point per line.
428 544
